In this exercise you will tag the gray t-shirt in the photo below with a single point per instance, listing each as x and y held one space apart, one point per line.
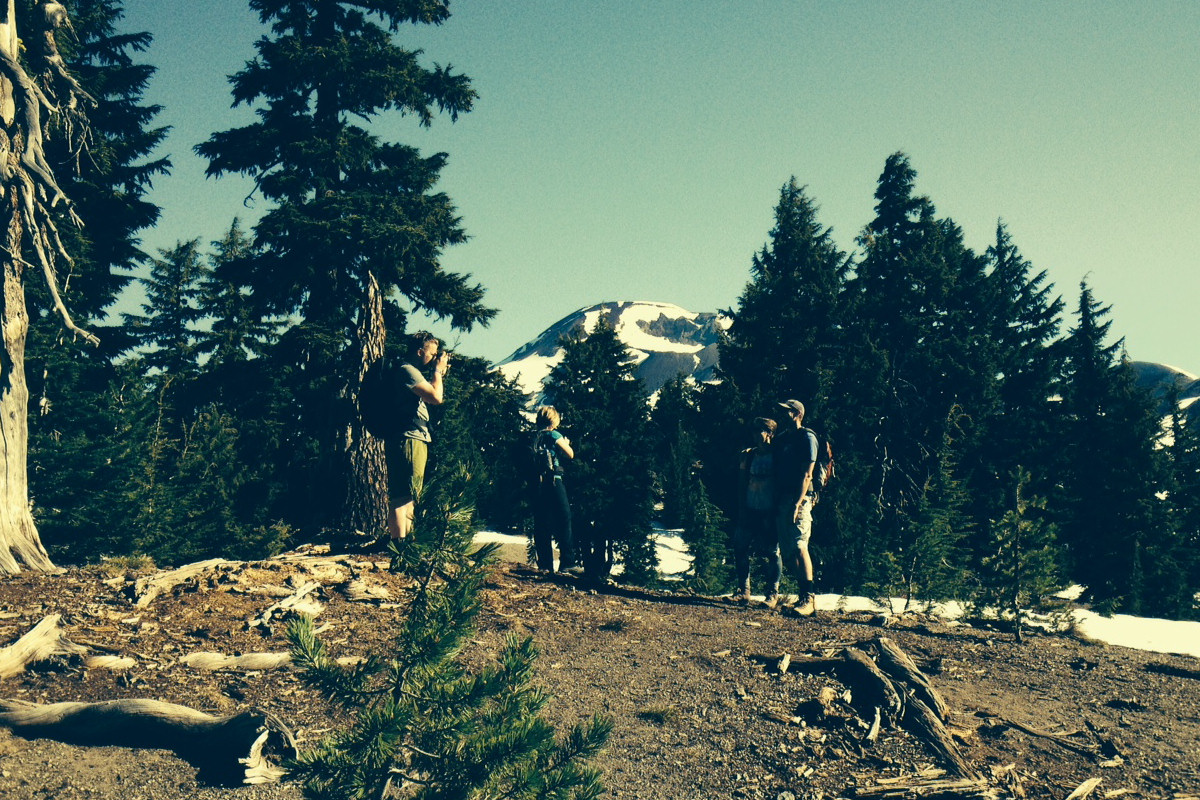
415 414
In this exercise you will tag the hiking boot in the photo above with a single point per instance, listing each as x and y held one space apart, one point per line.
807 606
574 570
742 598
772 601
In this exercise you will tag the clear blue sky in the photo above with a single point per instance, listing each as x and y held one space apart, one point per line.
635 150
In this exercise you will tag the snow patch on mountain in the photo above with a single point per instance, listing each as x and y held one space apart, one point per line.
663 341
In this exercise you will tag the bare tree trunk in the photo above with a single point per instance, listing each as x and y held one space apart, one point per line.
19 542
28 191
365 504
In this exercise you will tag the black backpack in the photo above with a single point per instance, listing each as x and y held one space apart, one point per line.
377 401
542 457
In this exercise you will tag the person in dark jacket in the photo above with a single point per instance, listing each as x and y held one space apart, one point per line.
551 507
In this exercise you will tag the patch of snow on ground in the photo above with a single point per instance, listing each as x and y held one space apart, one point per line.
1137 633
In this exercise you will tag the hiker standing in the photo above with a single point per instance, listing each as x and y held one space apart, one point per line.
755 529
408 451
551 508
794 450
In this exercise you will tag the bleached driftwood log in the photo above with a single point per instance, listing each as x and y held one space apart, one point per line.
113 662
299 603
147 588
917 788
226 749
897 696
249 662
359 590
896 663
44 640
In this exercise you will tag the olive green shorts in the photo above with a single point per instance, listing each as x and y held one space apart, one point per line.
406 470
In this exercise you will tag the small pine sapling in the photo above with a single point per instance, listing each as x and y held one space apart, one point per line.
424 724
1022 567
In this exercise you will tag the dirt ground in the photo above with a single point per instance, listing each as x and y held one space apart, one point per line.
693 684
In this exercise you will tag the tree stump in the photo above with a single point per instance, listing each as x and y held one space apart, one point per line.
226 750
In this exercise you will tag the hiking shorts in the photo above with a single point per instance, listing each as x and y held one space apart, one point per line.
406 469
794 533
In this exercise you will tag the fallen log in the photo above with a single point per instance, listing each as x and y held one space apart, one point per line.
1085 789
358 590
145 590
869 687
896 663
1058 738
922 721
45 640
114 663
249 662
298 603
226 750
929 789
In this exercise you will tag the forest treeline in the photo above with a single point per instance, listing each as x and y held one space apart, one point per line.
991 442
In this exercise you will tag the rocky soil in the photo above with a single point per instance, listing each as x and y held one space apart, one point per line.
694 685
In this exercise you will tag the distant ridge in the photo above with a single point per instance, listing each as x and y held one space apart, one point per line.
663 339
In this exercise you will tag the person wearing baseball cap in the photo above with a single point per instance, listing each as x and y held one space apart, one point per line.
795 456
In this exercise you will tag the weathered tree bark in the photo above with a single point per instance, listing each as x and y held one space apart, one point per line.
869 687
365 506
298 603
922 721
27 191
226 749
895 662
150 587
19 542
44 641
247 662
917 788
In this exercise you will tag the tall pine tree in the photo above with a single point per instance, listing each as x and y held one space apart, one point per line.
918 350
353 219
1109 513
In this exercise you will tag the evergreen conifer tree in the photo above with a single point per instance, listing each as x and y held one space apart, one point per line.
426 724
919 349
39 212
787 321
788 340
168 325
685 501
929 554
353 220
1024 321
1022 565
1184 497
606 416
237 331
1109 514
82 436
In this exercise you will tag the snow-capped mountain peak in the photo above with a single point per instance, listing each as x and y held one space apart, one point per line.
663 340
